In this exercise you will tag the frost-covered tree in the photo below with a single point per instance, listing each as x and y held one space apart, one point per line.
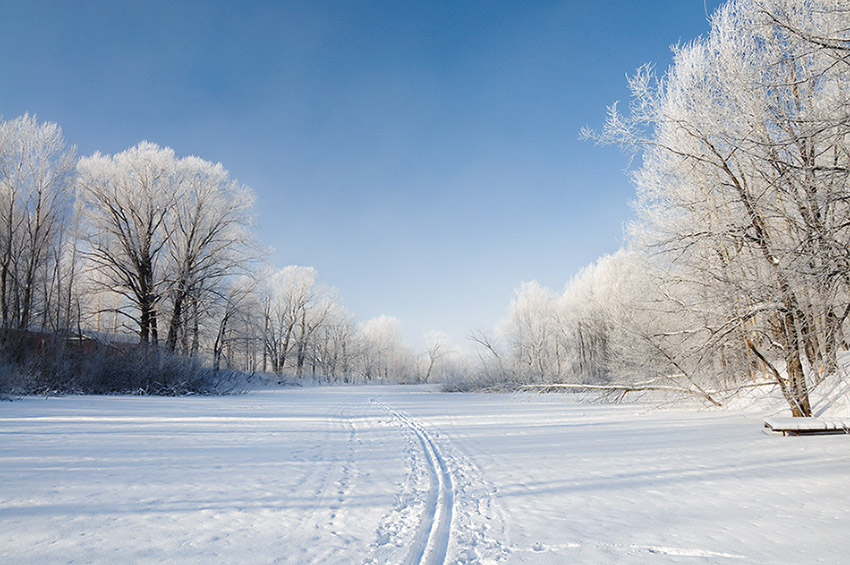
236 325
431 362
530 331
335 346
164 233
743 188
36 172
126 201
586 310
822 23
385 356
294 307
209 240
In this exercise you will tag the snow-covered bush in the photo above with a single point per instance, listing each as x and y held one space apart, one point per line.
39 363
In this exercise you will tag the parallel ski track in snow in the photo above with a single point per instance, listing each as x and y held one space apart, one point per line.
431 543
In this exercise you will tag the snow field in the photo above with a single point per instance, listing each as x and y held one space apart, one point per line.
265 478
404 475
626 484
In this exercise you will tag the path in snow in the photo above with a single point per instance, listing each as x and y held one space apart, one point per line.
453 498
432 538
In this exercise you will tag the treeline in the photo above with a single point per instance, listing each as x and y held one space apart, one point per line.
737 270
144 247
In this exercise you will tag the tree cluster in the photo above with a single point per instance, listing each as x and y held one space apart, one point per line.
144 247
738 265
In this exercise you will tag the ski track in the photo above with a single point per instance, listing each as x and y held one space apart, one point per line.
458 512
432 540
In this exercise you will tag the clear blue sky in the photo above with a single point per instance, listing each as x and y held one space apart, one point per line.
423 156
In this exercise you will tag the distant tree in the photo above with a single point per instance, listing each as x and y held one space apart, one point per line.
236 322
295 306
437 350
385 356
335 345
530 330
493 365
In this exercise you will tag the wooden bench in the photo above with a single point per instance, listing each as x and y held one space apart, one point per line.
807 426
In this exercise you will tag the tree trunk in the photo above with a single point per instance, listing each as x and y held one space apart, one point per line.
176 321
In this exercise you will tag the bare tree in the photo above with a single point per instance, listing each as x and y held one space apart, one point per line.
437 350
335 345
294 307
529 329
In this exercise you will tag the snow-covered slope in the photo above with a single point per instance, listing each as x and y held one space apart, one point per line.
395 475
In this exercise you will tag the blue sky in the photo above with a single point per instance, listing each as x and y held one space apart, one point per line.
423 156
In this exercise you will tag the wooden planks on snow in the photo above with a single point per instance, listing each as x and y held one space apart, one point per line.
807 426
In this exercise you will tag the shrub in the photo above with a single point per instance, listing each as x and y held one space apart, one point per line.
40 363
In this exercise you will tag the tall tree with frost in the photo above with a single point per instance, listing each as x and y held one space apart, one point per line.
126 202
36 169
209 240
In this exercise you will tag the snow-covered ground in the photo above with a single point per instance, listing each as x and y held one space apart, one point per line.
404 475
